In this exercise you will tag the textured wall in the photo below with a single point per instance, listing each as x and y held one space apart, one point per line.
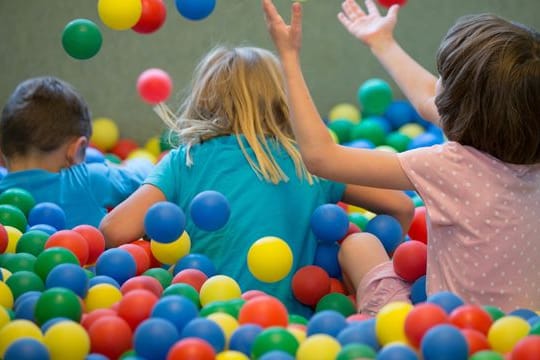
335 63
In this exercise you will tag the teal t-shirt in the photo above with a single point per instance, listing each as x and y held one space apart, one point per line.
258 209
83 191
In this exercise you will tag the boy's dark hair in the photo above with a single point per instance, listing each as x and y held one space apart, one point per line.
42 114
490 87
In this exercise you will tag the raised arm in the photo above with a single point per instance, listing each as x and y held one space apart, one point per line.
321 155
377 32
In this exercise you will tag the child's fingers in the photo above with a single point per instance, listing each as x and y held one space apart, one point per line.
343 19
372 8
352 10
270 12
296 20
393 11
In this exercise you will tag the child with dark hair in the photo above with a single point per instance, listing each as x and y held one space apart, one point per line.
481 188
44 132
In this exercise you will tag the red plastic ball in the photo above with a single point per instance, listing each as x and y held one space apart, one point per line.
357 317
309 284
336 286
144 282
388 3
136 306
265 311
154 86
527 348
110 336
142 261
124 147
191 348
89 318
152 17
471 317
250 294
476 340
420 319
418 228
353 229
146 246
193 277
95 240
71 240
410 260
3 239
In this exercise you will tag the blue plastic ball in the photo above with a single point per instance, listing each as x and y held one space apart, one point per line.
23 296
444 342
164 222
361 144
178 309
93 155
49 229
387 229
361 332
103 279
206 329
196 261
329 223
243 337
47 213
418 290
397 352
399 113
210 210
47 324
154 337
523 313
95 356
195 9
276 355
116 263
326 256
27 348
69 276
424 140
25 308
447 300
329 322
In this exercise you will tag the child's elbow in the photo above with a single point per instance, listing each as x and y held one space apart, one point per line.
315 163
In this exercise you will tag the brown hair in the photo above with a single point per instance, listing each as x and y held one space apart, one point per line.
490 87
42 114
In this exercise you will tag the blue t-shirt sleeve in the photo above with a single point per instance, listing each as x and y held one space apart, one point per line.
165 174
334 190
112 184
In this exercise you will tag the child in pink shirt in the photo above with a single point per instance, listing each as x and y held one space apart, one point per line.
481 188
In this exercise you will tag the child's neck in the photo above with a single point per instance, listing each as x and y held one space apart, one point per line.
52 162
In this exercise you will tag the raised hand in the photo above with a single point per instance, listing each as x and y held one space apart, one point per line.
286 38
369 26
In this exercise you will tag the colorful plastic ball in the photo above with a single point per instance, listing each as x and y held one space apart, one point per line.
152 17
171 252
476 341
505 333
326 256
110 336
338 302
195 9
6 296
418 290
424 140
265 311
3 239
164 222
274 338
116 263
422 318
119 15
341 128
329 223
527 348
26 349
398 141
243 337
487 355
219 287
25 308
387 229
161 274
318 347
329 322
523 313
32 242
93 156
23 281
399 113
397 351
470 316
16 330
374 96
370 130
154 86
144 282
210 210
95 240
390 322
309 284
20 198
58 302
69 276
356 351
226 322
388 3
410 260
360 332
344 111
81 39
124 147
102 296
494 312
269 259
13 216
136 306
276 355
72 241
67 340
446 300
444 342
196 261
47 213
207 330
49 258
191 349
19 262
102 279
193 277
418 228
43 227
146 246
154 337
105 133
177 309
140 256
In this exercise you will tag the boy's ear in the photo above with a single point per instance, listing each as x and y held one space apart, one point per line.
77 150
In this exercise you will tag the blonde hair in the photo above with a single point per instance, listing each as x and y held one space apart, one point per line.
239 91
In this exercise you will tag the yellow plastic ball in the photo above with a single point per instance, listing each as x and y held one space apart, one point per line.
386 148
67 340
219 288
334 136
318 347
102 296
14 235
390 322
344 111
170 253
4 317
269 259
153 146
5 274
120 15
298 332
226 322
412 130
505 332
6 296
15 330
105 134
142 153
231 355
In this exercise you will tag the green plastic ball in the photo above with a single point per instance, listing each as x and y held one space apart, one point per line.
374 96
32 242
218 306
338 302
51 257
19 198
486 355
13 216
358 219
57 302
297 319
168 140
24 281
185 290
274 338
20 262
368 130
398 141
356 351
342 129
81 39
161 275
494 312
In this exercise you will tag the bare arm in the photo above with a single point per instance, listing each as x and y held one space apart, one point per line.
321 155
125 223
382 201
376 31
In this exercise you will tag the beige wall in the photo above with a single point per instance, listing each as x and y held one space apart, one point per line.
335 63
